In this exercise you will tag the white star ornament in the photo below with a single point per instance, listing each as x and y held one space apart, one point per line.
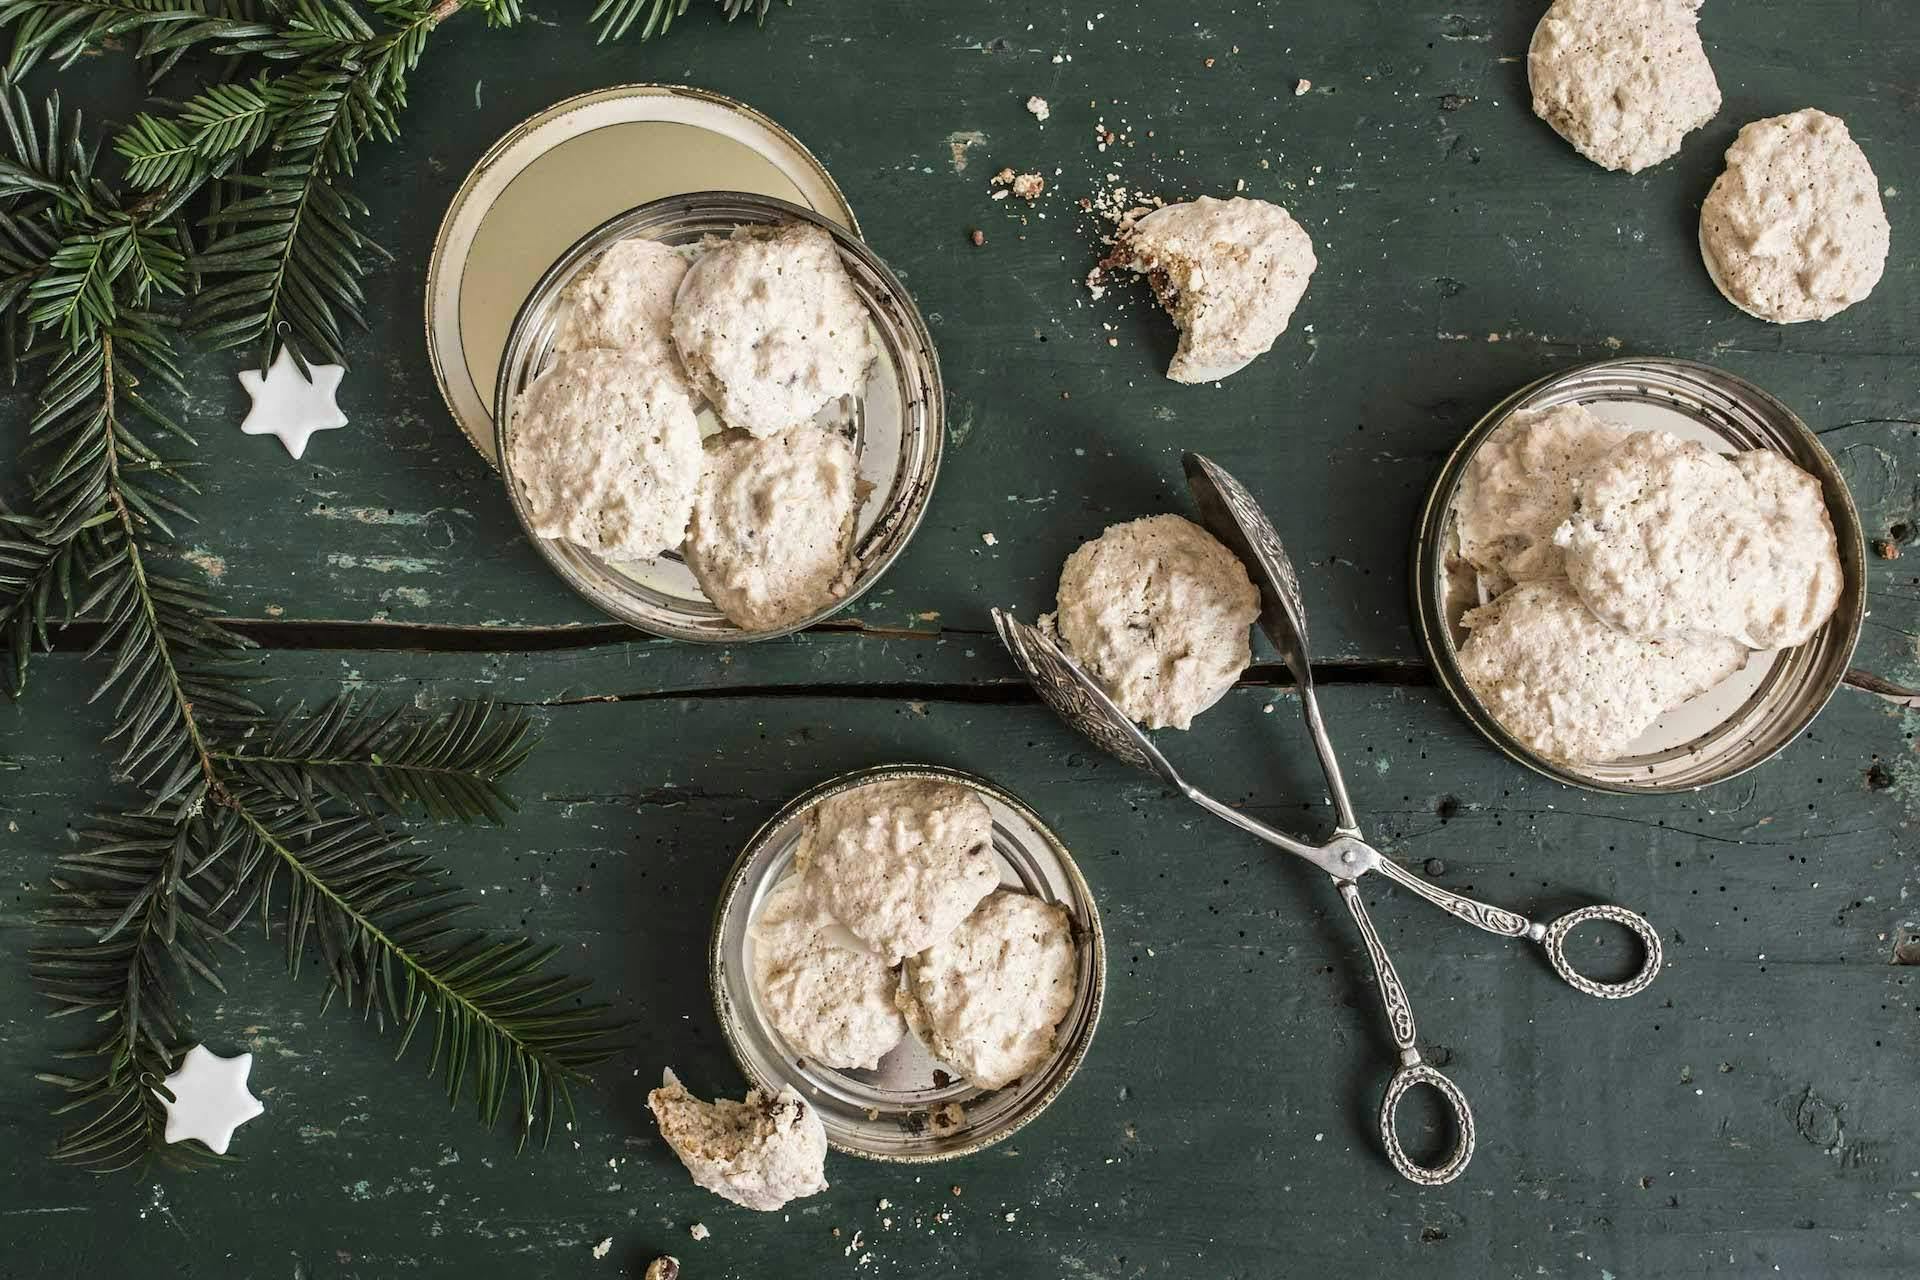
210 1097
288 405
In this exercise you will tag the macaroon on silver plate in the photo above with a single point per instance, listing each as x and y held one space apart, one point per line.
912 1107
1755 712
897 423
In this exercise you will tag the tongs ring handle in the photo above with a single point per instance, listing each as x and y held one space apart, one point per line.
1404 1081
1555 943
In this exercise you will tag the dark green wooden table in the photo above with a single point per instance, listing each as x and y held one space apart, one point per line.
1756 1114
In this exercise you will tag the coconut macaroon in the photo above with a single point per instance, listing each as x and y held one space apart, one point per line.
989 996
899 862
624 302
1670 539
773 524
759 1153
770 327
1229 272
1794 229
1157 611
1622 80
1518 490
1573 688
826 993
606 451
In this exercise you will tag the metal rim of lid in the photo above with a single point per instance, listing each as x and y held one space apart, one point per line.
737 890
457 207
1801 680
922 398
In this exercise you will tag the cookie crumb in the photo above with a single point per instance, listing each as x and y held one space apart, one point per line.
699 1231
1038 106
1028 186
978 237
602 1249
1302 88
989 539
666 1267
1887 549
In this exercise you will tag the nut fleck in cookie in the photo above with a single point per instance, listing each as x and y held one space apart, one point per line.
1229 272
899 862
606 451
759 1153
988 997
1669 539
773 524
1157 611
1794 229
1518 490
1622 80
825 992
770 327
1573 688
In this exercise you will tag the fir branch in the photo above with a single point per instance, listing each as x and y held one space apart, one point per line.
615 18
450 767
150 917
393 946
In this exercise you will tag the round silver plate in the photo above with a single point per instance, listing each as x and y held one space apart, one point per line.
912 1107
1752 714
898 422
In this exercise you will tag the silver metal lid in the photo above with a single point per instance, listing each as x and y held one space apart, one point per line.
1750 716
900 1111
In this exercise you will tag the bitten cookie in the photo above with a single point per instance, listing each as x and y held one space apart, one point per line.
988 997
773 524
1229 272
1794 229
1571 687
606 451
1622 80
1669 539
1157 611
770 328
827 994
899 862
1518 491
759 1153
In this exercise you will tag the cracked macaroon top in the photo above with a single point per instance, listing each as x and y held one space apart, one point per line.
1573 688
1669 539
900 862
1157 611
624 302
1622 80
773 524
988 997
826 993
606 451
1794 228
1229 272
1518 490
770 327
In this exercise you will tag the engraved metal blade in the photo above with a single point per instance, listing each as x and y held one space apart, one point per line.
1078 699
1230 514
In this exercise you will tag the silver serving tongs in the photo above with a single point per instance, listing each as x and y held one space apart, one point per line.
1230 513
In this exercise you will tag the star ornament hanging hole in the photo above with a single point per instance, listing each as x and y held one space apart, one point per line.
290 404
210 1097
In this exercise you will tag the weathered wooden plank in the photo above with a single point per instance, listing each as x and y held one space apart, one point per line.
1754 1111
1444 213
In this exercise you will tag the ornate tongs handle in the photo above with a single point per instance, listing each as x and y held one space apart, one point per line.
1412 1071
1553 937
